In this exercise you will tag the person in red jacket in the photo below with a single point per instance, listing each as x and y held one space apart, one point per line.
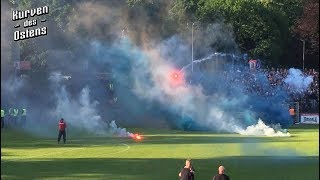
62 130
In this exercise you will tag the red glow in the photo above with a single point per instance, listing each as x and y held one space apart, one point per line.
176 78
136 137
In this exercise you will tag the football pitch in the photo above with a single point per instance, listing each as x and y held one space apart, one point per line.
161 155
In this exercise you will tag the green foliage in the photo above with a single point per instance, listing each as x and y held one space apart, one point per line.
58 9
133 3
261 28
211 11
57 17
292 9
307 27
39 60
264 28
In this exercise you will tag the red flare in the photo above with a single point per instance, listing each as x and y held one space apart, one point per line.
136 137
176 78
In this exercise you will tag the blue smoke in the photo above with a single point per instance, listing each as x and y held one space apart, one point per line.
297 81
221 93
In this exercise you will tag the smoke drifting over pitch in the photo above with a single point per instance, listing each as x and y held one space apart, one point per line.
81 112
297 81
148 82
204 103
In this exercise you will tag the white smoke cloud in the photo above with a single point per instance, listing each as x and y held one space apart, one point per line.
12 91
13 85
260 129
297 81
6 34
97 18
81 112
118 131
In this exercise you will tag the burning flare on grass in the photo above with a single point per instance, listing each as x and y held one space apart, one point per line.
136 137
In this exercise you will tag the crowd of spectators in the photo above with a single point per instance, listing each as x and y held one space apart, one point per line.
308 99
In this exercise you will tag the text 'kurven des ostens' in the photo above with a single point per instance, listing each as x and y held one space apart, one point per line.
28 23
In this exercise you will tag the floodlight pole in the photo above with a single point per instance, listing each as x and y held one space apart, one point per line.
192 47
303 49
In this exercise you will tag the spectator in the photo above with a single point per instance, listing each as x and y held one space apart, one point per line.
186 172
192 170
62 130
221 175
2 118
251 81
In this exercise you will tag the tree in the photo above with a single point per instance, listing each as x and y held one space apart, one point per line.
58 9
259 29
262 28
33 49
307 26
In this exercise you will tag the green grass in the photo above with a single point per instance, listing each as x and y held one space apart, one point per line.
161 155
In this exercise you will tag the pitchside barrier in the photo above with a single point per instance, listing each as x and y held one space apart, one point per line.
297 110
303 118
309 118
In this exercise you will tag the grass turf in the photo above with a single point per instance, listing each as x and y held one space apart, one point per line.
161 155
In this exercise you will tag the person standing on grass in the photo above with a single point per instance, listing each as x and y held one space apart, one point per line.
192 171
2 118
23 117
62 130
292 114
221 175
187 172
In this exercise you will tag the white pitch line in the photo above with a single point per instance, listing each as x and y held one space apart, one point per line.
128 147
44 155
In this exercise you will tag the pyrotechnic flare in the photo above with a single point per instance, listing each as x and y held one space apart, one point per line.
177 78
136 137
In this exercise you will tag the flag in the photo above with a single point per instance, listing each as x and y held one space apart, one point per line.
23 65
252 63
